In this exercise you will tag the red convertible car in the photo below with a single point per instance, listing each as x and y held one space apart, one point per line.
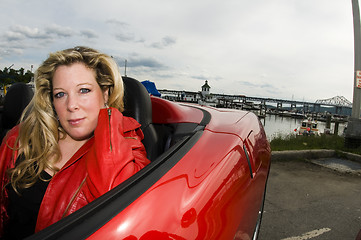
206 180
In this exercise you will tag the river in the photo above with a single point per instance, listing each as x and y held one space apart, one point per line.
275 125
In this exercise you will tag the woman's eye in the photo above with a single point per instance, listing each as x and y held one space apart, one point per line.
59 95
84 90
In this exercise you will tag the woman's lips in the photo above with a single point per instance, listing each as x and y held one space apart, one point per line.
75 121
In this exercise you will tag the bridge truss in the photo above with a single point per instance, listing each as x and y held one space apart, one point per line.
336 101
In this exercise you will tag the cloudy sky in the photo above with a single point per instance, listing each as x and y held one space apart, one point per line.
290 49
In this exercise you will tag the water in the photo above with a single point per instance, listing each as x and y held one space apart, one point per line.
275 125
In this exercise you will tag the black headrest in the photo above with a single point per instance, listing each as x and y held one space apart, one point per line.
137 103
16 99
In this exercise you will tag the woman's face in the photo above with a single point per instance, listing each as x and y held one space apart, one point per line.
77 100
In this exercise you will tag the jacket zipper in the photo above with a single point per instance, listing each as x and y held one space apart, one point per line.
110 130
73 198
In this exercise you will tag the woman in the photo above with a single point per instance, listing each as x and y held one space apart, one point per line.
72 144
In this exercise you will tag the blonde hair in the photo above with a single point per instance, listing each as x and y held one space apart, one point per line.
39 128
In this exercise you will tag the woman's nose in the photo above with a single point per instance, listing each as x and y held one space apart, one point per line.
72 103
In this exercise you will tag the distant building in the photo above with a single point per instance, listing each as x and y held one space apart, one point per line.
206 97
205 89
203 97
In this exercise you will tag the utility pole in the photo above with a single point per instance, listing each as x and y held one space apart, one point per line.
125 67
357 49
353 133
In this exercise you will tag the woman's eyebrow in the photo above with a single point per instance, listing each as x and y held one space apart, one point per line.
78 85
81 84
57 88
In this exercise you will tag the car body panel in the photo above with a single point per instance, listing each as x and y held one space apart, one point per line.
210 193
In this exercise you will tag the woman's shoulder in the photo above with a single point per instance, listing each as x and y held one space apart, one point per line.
11 135
130 124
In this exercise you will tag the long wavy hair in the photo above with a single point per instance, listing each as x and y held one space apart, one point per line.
39 128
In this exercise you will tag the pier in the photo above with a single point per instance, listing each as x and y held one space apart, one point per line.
337 106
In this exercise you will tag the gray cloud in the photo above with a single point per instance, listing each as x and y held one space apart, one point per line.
145 62
18 38
117 23
4 52
200 77
141 62
89 33
13 36
23 33
257 85
19 32
122 33
59 31
123 37
165 42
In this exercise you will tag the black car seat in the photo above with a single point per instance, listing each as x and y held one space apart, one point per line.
16 99
137 104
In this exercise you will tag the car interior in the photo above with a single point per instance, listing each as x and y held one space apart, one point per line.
157 137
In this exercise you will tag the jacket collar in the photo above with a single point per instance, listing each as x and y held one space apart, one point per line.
78 154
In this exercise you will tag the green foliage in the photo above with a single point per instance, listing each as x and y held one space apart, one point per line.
9 76
293 142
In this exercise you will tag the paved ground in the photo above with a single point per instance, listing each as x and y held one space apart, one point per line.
308 201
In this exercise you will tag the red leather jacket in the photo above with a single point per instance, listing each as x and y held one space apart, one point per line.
114 154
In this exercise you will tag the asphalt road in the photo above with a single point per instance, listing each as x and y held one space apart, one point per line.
308 201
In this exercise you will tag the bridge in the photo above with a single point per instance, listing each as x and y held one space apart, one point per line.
335 101
338 105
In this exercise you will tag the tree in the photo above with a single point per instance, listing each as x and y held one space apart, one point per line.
10 76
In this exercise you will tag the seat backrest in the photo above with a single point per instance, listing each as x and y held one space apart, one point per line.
137 104
16 99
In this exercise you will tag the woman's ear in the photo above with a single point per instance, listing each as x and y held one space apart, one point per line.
106 96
